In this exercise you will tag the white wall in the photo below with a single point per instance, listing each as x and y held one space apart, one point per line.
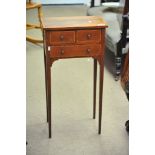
97 2
63 1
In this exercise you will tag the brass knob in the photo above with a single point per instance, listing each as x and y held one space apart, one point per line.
61 37
89 36
88 50
62 52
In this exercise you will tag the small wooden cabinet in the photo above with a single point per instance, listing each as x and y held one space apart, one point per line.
74 37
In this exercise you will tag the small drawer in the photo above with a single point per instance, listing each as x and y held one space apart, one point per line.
88 36
75 51
60 37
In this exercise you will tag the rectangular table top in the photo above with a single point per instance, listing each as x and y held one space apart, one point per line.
73 22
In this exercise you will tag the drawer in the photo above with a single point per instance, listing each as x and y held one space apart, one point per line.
88 36
60 37
75 51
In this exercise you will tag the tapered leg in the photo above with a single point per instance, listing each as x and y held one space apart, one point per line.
100 94
94 89
48 74
46 86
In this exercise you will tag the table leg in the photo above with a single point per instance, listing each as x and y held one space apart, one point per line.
48 81
46 87
100 94
94 89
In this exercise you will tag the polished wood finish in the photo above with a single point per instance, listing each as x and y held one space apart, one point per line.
94 87
33 40
74 37
75 51
88 36
73 23
100 92
30 5
125 71
126 7
60 37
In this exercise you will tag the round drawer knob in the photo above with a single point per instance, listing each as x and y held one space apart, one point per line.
89 36
61 37
62 52
88 50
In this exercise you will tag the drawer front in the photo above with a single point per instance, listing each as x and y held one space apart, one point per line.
60 37
88 36
75 51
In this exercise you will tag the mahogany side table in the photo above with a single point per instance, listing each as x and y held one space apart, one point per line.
74 37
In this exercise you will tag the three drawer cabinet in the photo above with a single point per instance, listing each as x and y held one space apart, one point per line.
74 37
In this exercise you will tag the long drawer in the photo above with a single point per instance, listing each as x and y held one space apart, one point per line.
75 51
